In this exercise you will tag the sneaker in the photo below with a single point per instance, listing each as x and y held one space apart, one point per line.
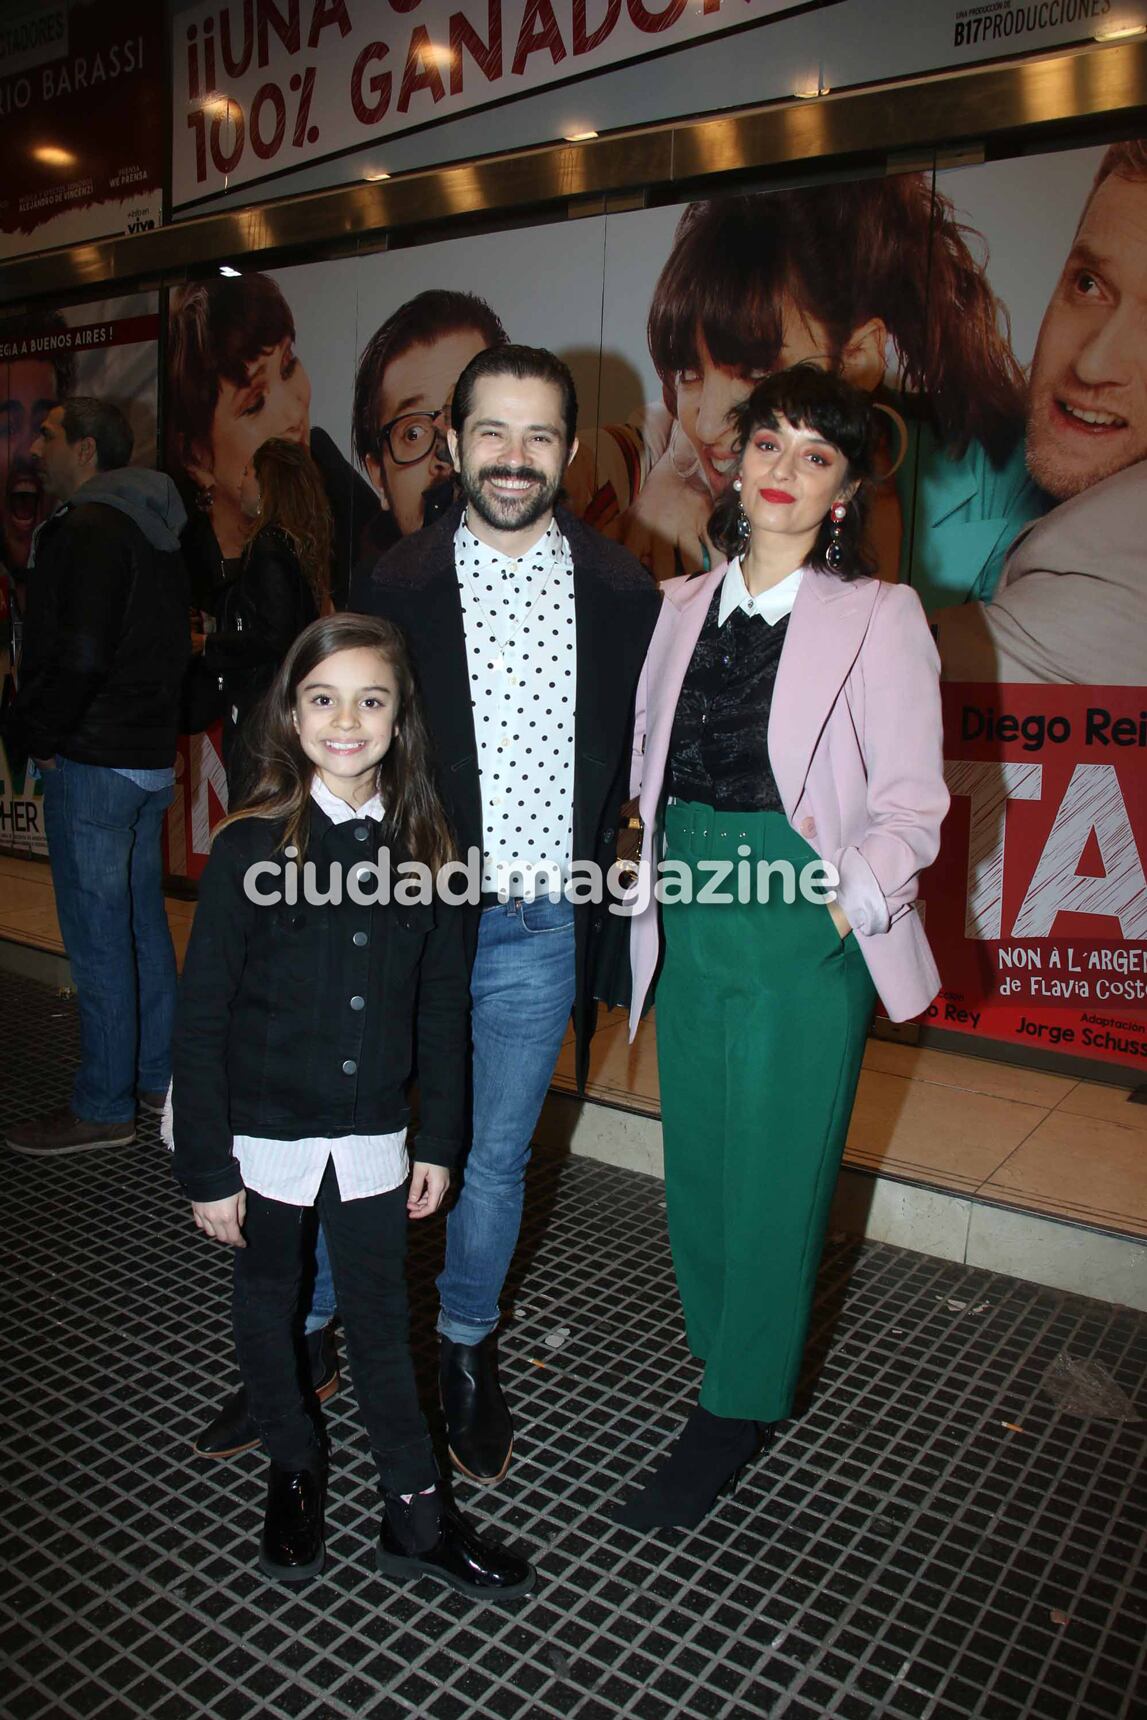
153 1102
61 1132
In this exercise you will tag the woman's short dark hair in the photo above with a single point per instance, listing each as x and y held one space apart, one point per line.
809 399
523 363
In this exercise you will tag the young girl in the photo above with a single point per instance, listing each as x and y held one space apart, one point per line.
300 1008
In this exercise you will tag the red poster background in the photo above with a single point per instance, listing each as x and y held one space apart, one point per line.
1044 847
200 802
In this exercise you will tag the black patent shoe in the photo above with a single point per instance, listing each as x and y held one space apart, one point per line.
231 1430
430 1538
292 1549
479 1431
706 1461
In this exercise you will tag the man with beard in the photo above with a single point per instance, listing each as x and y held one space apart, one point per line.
528 632
1071 605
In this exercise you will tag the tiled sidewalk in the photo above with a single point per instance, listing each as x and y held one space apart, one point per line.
932 1538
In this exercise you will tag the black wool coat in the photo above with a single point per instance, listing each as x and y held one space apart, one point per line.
299 1020
415 585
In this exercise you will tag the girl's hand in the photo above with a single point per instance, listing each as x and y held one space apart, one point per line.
222 1219
428 1185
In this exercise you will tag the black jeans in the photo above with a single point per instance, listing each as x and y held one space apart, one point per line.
367 1243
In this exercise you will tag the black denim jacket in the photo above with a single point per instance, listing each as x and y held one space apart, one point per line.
304 1020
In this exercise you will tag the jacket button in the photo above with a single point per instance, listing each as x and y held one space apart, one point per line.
350 1067
359 940
358 1002
608 835
361 832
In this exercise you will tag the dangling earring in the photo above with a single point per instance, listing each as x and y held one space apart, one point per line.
834 554
743 523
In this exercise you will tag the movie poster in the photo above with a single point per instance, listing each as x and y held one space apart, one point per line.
997 325
107 348
84 110
359 360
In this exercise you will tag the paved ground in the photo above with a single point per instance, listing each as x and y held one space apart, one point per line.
932 1538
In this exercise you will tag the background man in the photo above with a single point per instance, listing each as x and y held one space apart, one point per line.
1071 605
105 646
402 393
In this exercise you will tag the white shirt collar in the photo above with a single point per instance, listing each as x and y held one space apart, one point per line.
772 605
338 811
547 548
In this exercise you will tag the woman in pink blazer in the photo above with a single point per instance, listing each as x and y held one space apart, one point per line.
788 712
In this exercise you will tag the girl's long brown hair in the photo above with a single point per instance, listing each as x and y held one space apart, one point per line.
292 499
282 773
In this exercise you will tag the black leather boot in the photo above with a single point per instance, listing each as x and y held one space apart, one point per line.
231 1430
430 1538
479 1430
709 1454
292 1549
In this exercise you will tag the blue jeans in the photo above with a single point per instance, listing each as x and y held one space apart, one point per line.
107 871
522 992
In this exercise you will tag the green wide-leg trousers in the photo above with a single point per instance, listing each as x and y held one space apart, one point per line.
762 1014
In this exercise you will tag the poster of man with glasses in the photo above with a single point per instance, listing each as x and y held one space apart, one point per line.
403 388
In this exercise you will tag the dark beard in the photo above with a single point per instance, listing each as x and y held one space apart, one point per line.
504 515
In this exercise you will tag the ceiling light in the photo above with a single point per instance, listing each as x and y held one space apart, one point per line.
53 157
811 91
1119 32
226 269
579 136
376 175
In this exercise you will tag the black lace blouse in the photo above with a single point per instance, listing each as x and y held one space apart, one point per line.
719 749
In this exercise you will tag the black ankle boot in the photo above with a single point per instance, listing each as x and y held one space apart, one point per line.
430 1538
231 1429
709 1453
292 1549
479 1431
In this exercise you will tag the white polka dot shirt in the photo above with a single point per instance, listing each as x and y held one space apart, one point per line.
521 655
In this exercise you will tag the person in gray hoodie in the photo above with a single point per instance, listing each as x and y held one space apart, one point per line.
106 643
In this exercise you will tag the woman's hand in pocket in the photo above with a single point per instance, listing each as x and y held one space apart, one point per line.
839 919
428 1186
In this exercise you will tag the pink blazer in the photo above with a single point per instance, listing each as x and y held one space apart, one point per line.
855 745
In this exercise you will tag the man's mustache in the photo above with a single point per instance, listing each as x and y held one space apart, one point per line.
495 472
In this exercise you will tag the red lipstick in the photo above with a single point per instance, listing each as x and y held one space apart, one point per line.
776 496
